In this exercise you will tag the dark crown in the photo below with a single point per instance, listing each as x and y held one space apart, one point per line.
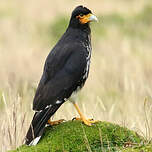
80 10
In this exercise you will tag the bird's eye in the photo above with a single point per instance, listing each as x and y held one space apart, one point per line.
81 15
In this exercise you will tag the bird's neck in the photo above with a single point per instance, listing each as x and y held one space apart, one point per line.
80 33
77 26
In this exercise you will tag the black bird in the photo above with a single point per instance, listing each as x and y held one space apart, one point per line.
65 72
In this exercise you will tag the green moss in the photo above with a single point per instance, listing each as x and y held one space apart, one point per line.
74 136
143 148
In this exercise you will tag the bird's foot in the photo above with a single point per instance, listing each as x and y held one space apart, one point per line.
87 122
55 122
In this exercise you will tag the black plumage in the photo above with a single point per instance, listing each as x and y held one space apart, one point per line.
66 70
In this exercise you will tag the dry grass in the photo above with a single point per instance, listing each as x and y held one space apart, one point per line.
119 87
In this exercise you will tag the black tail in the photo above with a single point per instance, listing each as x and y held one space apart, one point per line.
38 124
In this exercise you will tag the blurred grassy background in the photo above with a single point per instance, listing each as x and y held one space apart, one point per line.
119 87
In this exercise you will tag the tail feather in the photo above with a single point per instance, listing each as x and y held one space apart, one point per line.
38 123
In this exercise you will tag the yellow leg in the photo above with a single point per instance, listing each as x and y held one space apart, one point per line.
88 122
55 122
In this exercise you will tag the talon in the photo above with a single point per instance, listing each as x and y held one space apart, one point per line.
76 118
91 119
90 122
87 122
73 118
55 122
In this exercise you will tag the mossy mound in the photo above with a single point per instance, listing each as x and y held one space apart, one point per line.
73 136
142 148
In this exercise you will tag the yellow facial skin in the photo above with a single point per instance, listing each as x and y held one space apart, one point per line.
87 18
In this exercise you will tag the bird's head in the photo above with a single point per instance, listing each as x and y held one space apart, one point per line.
82 16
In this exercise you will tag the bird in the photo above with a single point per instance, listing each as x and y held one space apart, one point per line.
65 72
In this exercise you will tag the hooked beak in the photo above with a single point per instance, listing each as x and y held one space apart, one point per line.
87 18
93 18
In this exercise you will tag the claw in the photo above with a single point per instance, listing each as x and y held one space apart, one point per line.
88 122
55 122
73 118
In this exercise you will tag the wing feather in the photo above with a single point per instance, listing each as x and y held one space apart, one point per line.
60 77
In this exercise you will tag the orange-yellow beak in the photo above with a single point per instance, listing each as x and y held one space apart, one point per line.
87 18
